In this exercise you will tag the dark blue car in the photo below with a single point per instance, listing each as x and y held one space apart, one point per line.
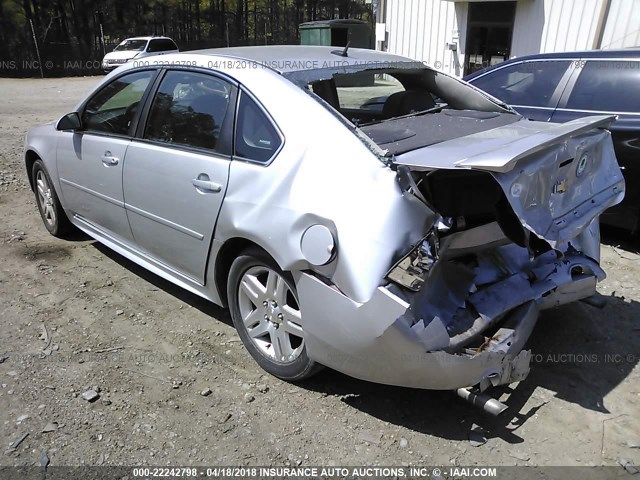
558 87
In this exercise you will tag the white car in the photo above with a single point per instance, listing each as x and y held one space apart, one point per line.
137 47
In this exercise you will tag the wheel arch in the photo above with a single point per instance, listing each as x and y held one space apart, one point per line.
30 158
230 250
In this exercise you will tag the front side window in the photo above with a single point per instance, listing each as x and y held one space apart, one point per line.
609 86
113 108
189 109
256 137
527 84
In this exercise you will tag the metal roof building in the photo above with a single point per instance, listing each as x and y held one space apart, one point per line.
459 37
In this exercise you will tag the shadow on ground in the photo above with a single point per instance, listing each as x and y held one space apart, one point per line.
205 306
619 238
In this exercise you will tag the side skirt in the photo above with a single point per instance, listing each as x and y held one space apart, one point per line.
142 259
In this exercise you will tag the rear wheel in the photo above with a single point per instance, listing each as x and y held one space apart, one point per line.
51 211
266 313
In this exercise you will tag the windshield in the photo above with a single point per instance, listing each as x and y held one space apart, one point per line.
131 45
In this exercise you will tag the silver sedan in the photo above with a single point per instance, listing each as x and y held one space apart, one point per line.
352 208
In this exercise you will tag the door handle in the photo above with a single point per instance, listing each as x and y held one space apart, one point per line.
109 160
206 185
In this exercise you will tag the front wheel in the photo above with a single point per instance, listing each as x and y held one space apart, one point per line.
51 211
266 313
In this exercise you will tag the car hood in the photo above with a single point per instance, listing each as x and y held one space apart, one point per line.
557 178
123 55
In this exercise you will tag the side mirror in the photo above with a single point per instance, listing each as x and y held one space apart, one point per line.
71 121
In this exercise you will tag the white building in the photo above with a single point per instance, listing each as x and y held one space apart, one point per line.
459 37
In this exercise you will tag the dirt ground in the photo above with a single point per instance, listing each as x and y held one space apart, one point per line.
76 316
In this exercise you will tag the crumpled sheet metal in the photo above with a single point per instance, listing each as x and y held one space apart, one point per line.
557 204
443 292
371 342
380 341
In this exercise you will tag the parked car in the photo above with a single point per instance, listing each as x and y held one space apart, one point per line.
558 87
412 245
137 47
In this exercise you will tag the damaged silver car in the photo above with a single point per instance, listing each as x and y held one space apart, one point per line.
354 209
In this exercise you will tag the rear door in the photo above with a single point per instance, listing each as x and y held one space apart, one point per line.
533 87
176 171
605 86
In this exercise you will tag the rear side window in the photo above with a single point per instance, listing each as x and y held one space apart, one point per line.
256 137
526 84
610 86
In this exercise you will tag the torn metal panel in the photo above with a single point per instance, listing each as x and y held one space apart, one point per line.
557 199
499 263
371 341
443 293
501 297
491 304
514 332
420 341
555 192
434 336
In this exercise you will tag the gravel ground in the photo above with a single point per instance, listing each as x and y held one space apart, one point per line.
176 386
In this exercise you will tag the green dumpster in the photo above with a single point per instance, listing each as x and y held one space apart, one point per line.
337 33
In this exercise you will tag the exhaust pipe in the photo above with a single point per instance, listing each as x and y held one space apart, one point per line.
482 400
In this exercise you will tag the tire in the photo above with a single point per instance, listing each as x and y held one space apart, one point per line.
53 216
265 311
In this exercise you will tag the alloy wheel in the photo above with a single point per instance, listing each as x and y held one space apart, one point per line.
45 198
271 314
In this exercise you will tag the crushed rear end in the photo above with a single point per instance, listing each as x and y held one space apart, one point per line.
514 230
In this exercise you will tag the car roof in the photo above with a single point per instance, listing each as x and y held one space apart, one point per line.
294 58
145 38
627 53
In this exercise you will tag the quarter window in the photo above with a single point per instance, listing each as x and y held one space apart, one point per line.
189 109
610 86
527 84
256 137
114 107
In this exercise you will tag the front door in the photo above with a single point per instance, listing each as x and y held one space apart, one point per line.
489 32
90 161
175 176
